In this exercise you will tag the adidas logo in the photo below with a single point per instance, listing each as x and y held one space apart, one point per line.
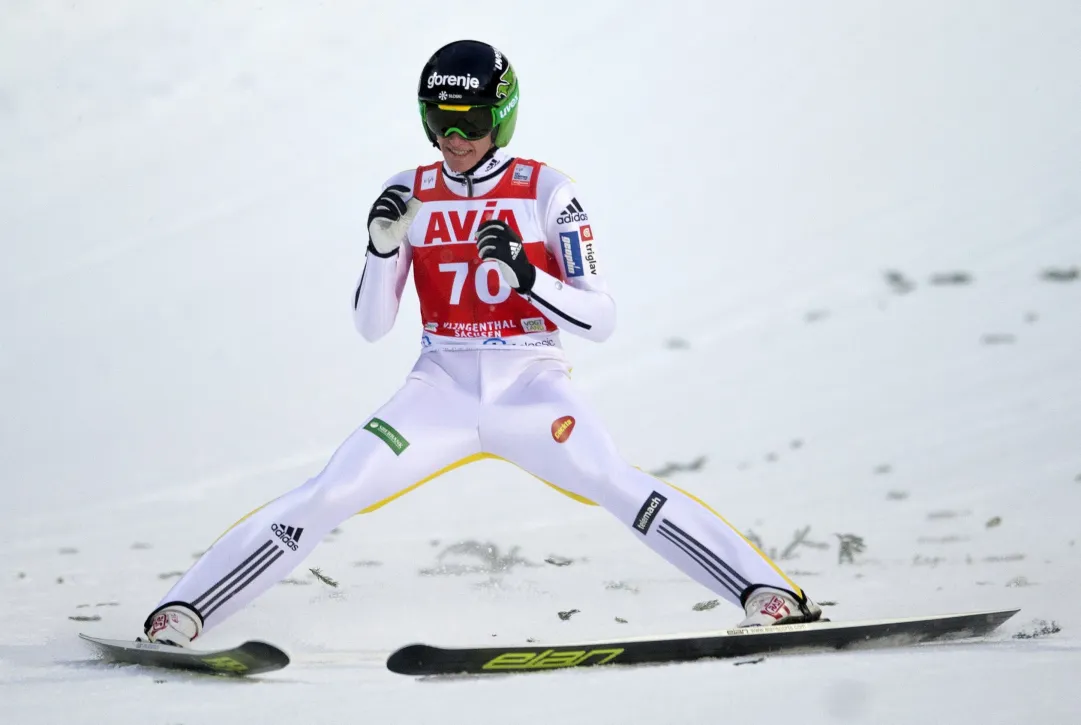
573 213
287 534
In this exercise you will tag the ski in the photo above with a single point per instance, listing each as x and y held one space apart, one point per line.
424 659
249 658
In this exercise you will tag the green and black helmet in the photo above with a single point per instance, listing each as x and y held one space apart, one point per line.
469 88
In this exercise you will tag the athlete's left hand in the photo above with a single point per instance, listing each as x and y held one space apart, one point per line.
497 240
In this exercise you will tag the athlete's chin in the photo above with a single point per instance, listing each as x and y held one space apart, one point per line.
461 160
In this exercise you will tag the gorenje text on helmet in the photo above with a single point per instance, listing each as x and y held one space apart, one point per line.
466 81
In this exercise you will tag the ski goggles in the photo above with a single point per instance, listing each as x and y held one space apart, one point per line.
470 122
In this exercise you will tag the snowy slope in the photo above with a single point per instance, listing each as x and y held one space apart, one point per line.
182 195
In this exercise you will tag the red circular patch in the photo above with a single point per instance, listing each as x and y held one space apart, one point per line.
562 427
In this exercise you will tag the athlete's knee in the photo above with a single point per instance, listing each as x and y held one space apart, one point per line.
613 486
312 491
636 487
324 493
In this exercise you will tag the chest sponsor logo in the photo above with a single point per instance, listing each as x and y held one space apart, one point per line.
587 232
521 175
492 330
455 225
571 247
427 179
533 324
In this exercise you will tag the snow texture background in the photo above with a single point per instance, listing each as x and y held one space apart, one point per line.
844 239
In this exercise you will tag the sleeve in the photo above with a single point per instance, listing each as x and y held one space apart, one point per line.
579 302
379 290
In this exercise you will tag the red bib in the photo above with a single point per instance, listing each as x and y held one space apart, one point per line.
461 295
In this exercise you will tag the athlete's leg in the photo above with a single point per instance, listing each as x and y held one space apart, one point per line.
427 426
541 424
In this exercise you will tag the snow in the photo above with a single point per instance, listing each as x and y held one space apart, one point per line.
183 189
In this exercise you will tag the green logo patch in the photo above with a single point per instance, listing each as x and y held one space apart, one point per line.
386 432
506 82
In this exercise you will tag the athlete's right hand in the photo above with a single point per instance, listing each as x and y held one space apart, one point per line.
389 220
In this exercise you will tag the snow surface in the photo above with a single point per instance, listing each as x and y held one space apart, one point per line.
183 188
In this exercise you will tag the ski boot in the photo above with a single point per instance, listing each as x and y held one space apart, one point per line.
175 623
767 606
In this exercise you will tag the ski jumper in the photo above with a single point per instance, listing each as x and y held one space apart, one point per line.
491 381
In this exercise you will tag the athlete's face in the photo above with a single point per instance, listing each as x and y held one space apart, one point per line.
460 154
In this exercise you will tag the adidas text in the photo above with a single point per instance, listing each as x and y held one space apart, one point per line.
288 535
573 213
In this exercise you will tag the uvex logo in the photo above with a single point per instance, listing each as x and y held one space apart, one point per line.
508 108
460 226
562 428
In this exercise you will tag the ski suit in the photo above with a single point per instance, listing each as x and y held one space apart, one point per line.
491 381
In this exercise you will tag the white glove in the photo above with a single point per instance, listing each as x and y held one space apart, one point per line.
389 220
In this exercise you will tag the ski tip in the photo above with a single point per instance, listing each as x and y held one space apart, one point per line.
90 638
101 642
1007 613
408 659
254 647
95 645
1001 614
266 651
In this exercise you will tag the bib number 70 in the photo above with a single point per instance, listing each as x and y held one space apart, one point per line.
460 270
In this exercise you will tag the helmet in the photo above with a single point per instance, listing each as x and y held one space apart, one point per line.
469 88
